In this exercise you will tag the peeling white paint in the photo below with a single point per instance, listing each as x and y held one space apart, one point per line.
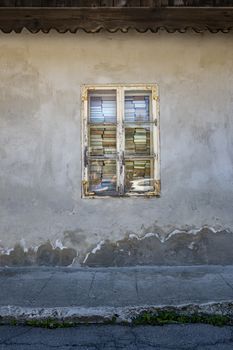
6 251
163 239
147 235
98 247
23 245
94 250
59 244
73 262
86 257
191 245
190 232
193 231
35 248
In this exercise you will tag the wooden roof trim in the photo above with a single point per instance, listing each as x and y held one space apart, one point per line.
114 3
93 20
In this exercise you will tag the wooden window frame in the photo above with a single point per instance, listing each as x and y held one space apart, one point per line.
120 91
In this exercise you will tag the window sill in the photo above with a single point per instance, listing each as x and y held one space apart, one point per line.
129 195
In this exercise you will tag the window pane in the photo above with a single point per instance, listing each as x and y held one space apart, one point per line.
138 140
102 140
102 177
137 107
102 107
139 176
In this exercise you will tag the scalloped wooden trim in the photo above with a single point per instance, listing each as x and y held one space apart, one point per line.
94 20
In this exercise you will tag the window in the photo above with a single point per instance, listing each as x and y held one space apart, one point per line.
120 141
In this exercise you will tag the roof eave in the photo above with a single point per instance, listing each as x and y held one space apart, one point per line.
95 19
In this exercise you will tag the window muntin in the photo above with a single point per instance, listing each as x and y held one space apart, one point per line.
120 141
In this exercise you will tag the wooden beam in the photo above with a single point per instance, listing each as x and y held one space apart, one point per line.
110 3
94 19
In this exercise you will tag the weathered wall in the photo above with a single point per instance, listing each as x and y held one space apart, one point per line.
40 172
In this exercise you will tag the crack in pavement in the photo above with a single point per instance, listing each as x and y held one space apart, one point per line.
15 336
136 283
33 300
229 285
91 285
136 343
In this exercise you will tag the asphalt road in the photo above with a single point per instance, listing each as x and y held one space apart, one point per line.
195 337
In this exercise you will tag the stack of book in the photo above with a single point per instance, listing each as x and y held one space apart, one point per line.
138 176
136 108
102 109
96 115
109 140
96 143
102 140
102 176
138 169
96 171
129 169
137 140
129 140
109 109
109 174
140 140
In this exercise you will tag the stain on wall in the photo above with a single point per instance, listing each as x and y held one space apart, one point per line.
44 255
181 248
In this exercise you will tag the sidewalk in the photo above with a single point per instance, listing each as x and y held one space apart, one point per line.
98 295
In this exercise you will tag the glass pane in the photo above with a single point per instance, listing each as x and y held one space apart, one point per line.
102 140
102 107
137 108
102 176
138 140
139 176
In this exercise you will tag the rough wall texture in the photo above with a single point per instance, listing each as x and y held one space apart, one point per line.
40 172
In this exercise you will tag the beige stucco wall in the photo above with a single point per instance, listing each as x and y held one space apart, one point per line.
40 153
